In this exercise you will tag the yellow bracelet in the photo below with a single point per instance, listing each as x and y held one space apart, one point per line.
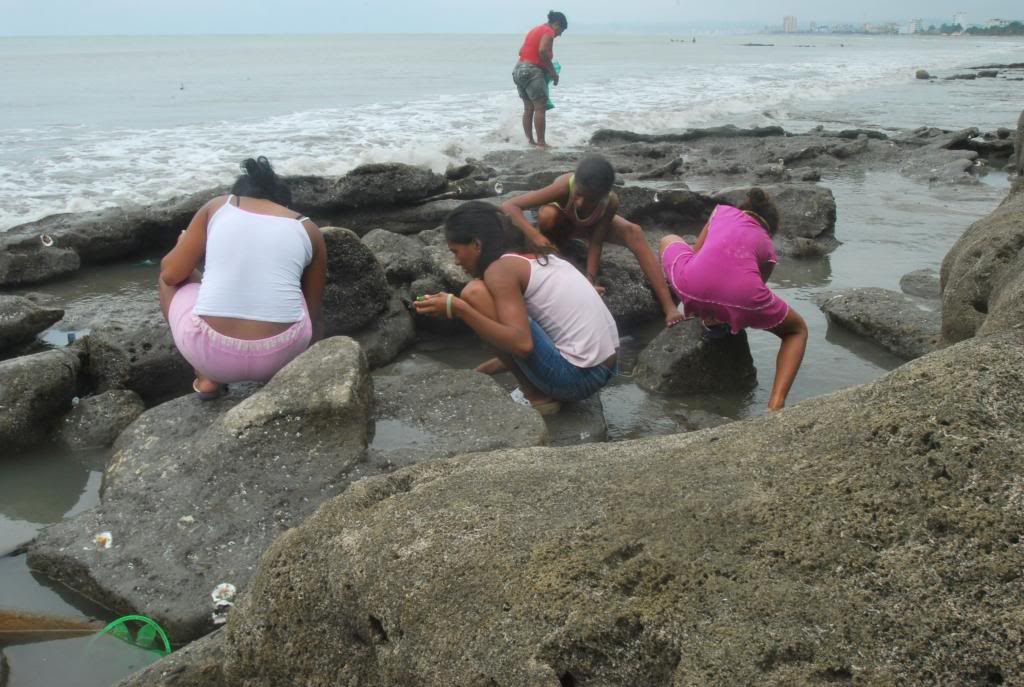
448 305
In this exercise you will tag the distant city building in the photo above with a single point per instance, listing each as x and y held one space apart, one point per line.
995 23
914 26
789 24
961 19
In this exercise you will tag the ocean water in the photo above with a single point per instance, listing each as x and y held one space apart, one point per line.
92 122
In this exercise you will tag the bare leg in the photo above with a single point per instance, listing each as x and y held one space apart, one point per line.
540 121
491 367
476 294
667 241
631 236
793 332
528 121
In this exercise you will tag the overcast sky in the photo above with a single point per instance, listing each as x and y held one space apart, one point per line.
104 17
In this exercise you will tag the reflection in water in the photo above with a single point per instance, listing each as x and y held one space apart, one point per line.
85 662
863 348
40 488
802 272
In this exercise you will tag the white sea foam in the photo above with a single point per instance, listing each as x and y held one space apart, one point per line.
60 168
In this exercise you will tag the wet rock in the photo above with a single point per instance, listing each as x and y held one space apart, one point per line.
389 183
922 74
578 423
1018 146
881 515
923 283
805 212
398 219
96 421
440 413
139 355
676 211
387 336
21 319
606 136
981 266
680 361
988 73
196 490
902 325
197 665
403 258
24 263
962 77
442 265
848 150
356 291
34 391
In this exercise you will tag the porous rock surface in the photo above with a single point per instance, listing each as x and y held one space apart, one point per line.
868 537
902 325
34 391
439 413
196 490
21 319
983 266
680 361
356 291
96 421
923 283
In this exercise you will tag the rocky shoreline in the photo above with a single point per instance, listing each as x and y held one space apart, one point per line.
848 539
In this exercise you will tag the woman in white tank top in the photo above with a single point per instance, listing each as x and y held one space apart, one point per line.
547 323
258 303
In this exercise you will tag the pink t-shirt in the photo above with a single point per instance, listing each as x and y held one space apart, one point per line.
723 281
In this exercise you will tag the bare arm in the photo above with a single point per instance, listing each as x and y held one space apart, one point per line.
511 331
598 236
700 239
313 279
178 265
554 192
766 270
547 53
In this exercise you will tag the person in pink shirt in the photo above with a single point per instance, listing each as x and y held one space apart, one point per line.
533 71
722 280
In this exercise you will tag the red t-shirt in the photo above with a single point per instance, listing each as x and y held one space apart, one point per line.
530 52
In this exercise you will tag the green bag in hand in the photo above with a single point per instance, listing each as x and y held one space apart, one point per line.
547 77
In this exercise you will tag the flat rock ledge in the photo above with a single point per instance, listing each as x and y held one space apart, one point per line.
195 491
868 537
905 326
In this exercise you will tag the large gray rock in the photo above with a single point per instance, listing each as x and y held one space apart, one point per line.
400 219
676 211
439 413
195 491
902 325
807 215
387 336
403 258
96 421
982 264
388 184
356 291
139 355
868 537
1018 146
923 283
21 320
627 294
680 361
34 391
29 264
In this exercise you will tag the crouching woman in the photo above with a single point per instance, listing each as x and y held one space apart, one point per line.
547 324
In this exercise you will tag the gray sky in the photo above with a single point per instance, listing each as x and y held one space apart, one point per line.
89 17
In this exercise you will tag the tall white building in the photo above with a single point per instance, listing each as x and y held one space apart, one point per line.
961 19
789 24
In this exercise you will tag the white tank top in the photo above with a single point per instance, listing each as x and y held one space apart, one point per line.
570 310
254 266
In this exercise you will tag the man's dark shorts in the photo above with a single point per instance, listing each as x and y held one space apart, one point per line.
529 79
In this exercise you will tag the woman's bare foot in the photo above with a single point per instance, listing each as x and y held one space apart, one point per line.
207 389
491 367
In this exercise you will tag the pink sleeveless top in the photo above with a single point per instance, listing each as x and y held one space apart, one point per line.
570 311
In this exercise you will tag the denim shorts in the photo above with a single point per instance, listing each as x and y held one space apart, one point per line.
530 82
555 376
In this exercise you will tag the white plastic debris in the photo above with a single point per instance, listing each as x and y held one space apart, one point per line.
104 540
46 240
225 591
499 188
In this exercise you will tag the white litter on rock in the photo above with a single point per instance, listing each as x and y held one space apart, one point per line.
498 187
104 540
46 240
225 591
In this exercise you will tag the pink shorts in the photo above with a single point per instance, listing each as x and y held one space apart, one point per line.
222 358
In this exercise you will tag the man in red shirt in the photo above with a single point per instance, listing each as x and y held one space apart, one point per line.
533 71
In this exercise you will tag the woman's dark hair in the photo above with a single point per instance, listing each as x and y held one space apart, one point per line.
595 174
763 207
258 180
554 16
483 222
